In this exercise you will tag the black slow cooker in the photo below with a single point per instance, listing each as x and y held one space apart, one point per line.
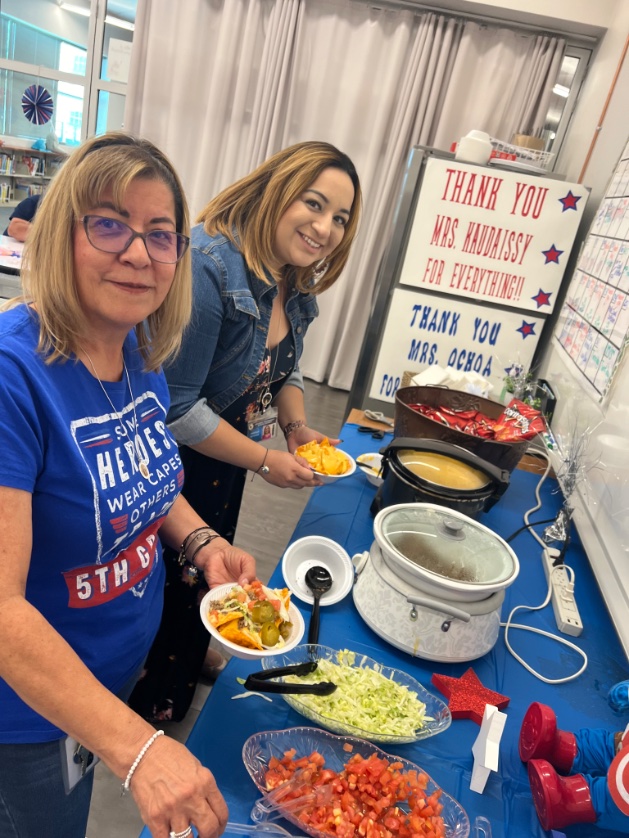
432 471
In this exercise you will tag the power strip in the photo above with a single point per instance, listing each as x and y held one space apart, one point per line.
564 603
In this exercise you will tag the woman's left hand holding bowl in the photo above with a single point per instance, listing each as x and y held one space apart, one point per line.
221 562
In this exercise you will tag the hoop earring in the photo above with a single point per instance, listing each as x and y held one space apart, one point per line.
320 270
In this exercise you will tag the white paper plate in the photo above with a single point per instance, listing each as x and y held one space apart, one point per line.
315 550
234 649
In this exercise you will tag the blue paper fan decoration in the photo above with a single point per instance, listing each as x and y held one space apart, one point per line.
37 104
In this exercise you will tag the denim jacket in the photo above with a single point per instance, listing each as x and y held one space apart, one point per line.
225 341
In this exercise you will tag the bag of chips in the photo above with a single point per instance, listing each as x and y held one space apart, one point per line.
518 421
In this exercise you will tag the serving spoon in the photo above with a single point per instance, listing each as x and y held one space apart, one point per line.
319 581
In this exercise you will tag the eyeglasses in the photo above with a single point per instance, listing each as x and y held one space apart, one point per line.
113 236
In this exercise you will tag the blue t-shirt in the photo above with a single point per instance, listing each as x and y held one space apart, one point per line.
96 572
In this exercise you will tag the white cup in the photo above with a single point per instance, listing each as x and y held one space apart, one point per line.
475 147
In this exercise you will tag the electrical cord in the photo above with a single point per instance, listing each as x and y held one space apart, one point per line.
528 527
509 624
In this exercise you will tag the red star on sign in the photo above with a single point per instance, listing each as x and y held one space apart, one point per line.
526 329
467 697
542 298
552 254
570 201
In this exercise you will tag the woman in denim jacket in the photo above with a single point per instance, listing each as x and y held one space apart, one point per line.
266 246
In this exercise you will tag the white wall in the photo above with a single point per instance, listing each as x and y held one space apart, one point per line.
579 15
615 127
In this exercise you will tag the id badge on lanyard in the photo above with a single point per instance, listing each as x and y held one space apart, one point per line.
262 425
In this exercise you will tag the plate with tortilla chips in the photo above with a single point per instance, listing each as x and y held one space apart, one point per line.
327 461
253 621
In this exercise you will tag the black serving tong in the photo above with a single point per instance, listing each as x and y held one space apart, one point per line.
260 681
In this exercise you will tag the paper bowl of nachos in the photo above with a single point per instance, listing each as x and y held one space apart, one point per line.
327 461
254 621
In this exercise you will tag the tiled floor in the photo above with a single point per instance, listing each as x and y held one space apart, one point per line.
267 520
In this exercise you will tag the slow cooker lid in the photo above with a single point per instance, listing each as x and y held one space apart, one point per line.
444 543
442 470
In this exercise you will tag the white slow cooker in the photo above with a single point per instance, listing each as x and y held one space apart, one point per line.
433 582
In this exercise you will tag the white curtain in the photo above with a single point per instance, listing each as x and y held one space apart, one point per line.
225 84
395 63
204 82
501 83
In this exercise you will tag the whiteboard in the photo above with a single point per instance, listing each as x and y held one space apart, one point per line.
588 369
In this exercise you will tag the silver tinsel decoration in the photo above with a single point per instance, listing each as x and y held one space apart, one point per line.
570 475
558 531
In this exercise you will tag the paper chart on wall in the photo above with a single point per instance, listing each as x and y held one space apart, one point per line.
593 326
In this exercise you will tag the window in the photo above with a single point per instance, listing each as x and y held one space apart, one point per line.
564 96
78 52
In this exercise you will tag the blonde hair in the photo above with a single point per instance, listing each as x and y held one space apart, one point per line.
111 161
248 211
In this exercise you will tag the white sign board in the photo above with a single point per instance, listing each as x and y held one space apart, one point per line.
425 329
492 235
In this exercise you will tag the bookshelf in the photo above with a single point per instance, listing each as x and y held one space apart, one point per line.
25 172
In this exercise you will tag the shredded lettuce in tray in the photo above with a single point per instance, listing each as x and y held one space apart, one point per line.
364 698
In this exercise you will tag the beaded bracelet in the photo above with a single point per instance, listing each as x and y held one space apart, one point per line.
199 538
138 760
292 426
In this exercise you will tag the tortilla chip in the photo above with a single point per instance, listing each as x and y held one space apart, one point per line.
324 457
217 619
240 636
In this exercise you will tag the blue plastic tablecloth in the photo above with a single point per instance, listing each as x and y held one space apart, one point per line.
340 511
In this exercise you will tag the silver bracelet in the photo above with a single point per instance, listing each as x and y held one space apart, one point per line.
193 542
138 760
292 426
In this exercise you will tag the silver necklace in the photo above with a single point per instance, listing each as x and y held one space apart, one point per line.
266 398
142 464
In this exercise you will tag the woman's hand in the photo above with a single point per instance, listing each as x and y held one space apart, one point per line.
304 434
289 472
221 562
173 790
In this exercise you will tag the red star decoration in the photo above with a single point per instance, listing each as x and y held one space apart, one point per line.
526 329
467 697
570 201
552 254
542 298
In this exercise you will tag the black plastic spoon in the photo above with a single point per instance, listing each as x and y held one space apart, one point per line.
319 581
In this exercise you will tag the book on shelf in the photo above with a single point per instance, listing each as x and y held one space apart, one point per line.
23 189
6 164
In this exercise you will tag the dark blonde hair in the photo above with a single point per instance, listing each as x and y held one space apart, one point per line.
111 161
248 211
